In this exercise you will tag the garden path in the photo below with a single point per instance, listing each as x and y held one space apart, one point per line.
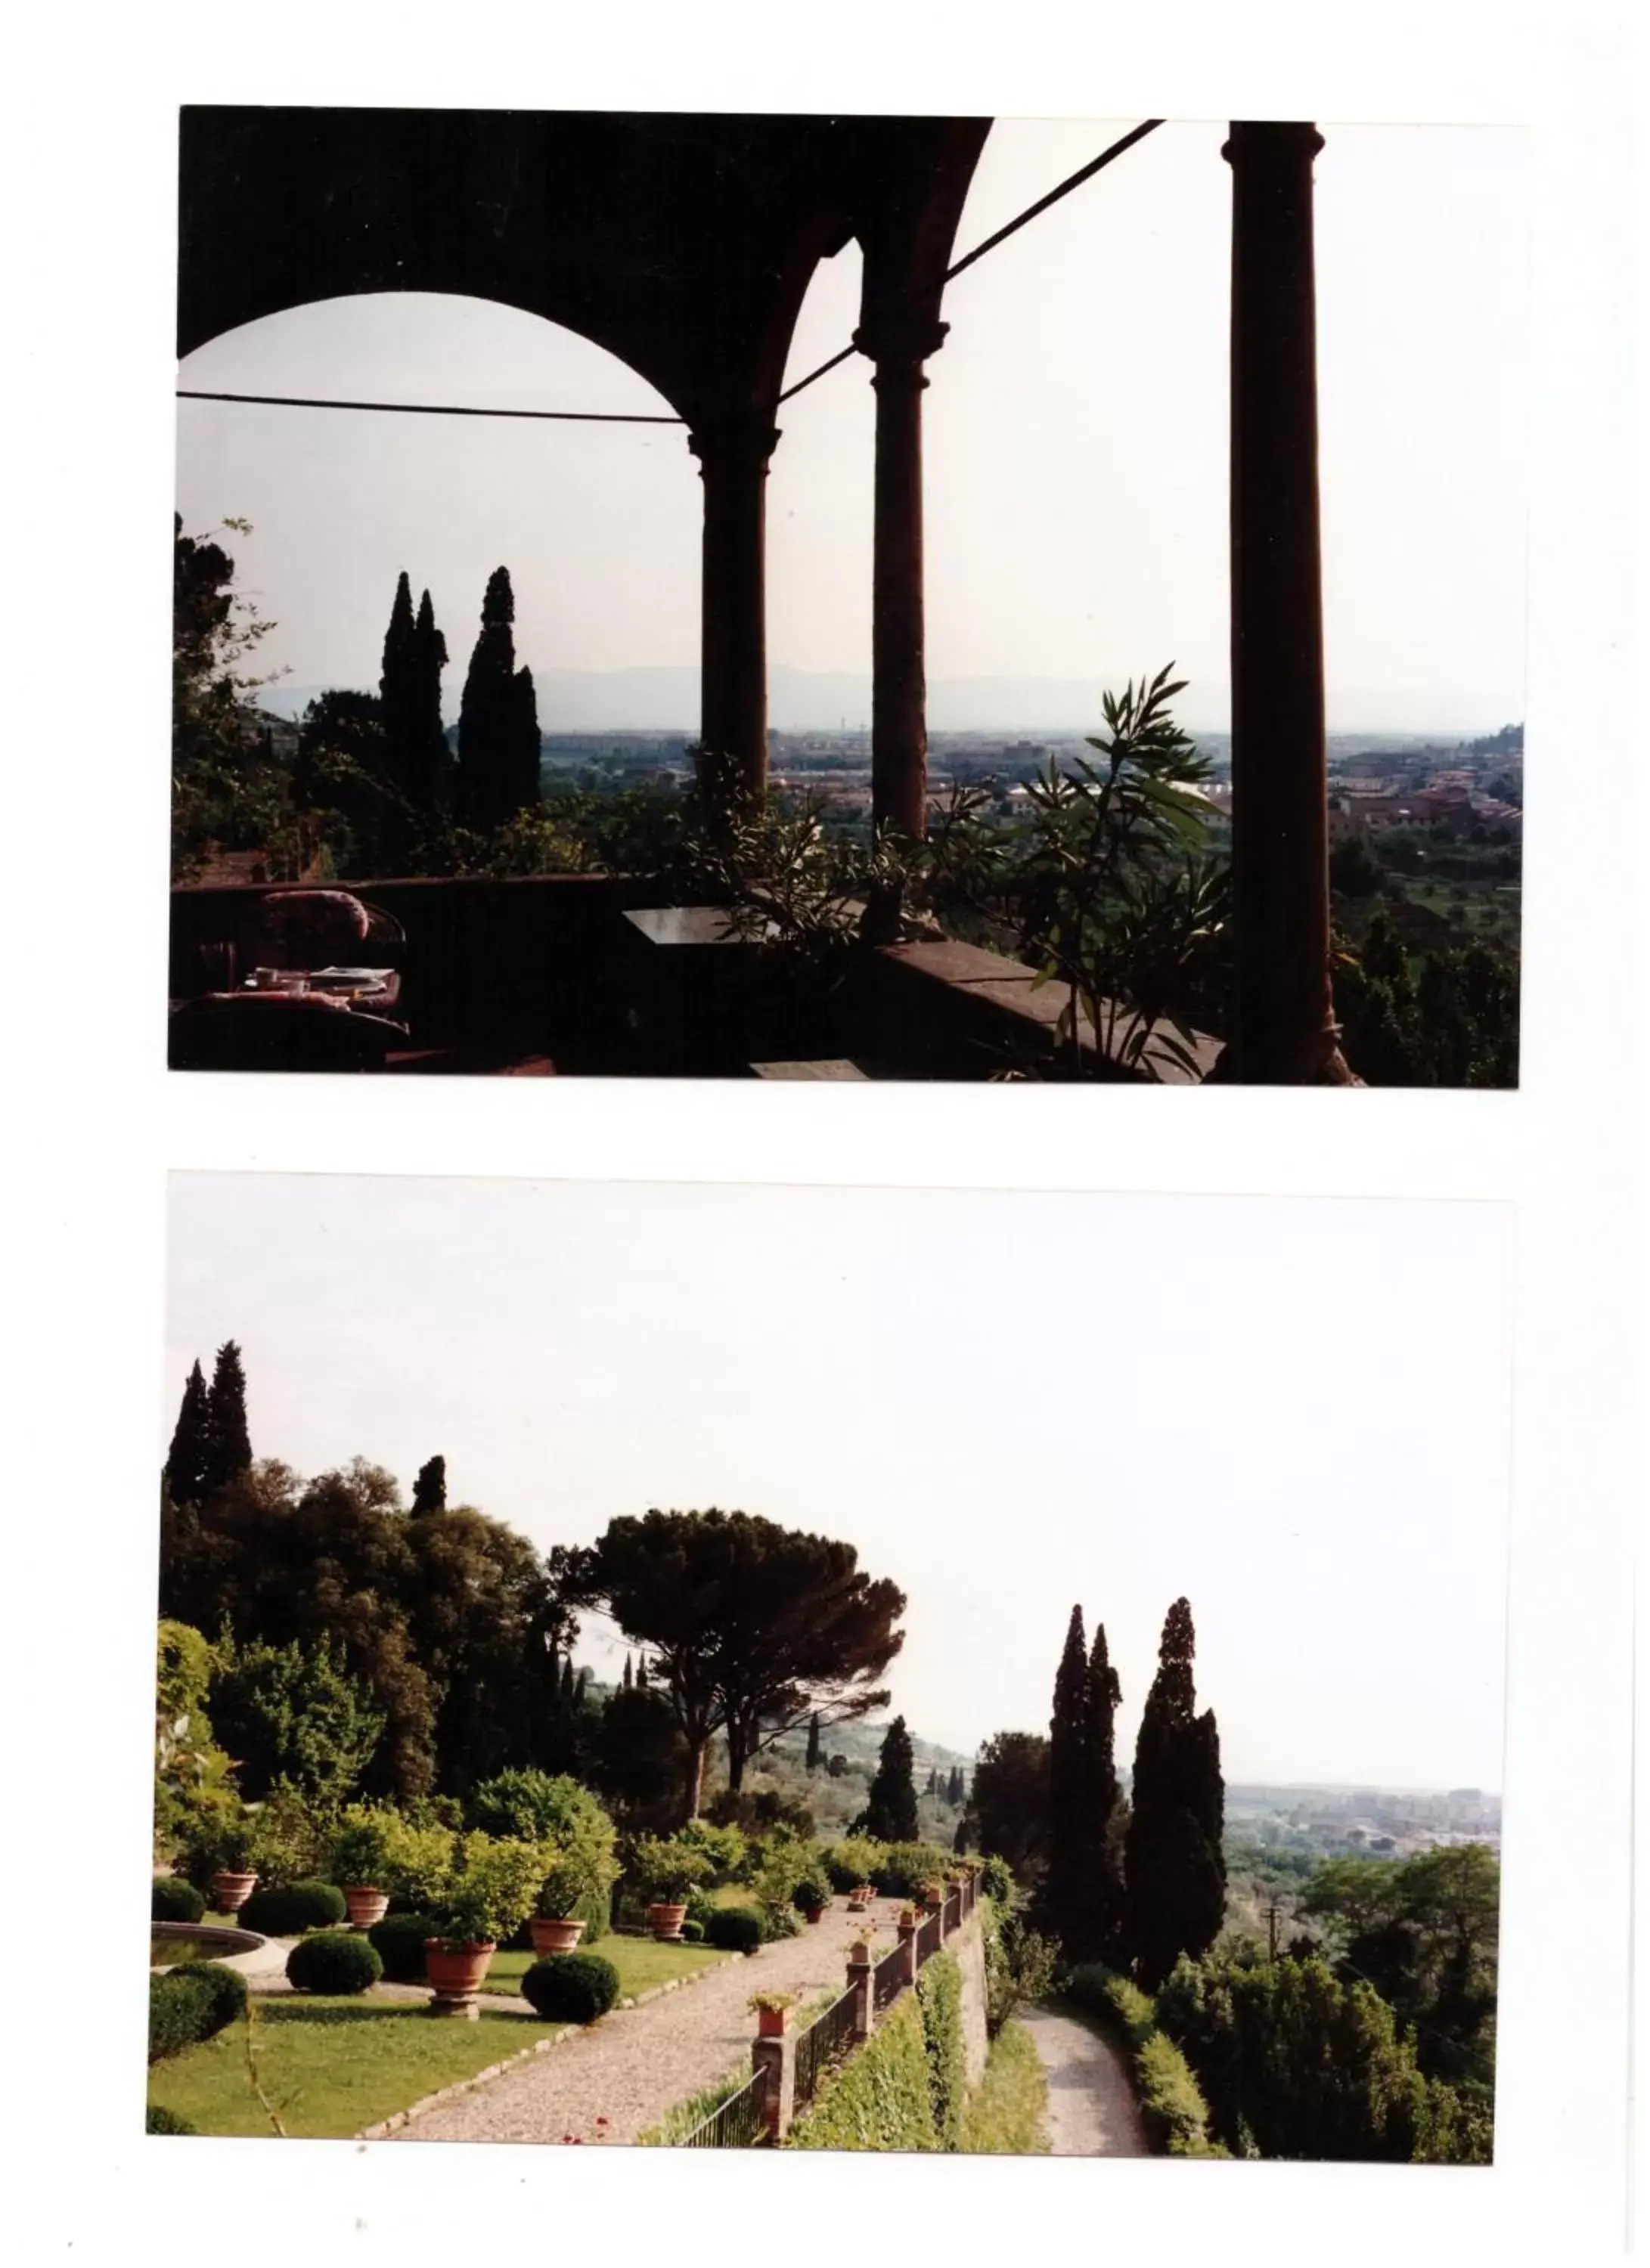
1092 2111
615 2080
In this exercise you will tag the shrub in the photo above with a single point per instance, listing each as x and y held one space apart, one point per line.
572 1988
940 1995
669 1867
418 1860
904 1870
491 1889
290 1912
173 1899
1172 2105
363 1847
996 1879
810 1895
186 2005
880 2099
692 1932
332 1961
399 1942
724 1847
735 1929
852 1861
158 2120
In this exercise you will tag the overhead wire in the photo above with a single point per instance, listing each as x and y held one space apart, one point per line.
632 418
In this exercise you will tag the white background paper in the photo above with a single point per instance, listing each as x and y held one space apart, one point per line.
89 158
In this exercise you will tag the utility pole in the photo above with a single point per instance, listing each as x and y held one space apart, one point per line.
1271 1932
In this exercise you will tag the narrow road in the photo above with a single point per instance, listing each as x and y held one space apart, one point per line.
1092 2109
613 2081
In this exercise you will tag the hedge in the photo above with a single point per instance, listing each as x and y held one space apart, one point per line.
288 1911
1172 2105
332 1961
571 1988
882 2097
191 2004
171 1898
939 1996
735 1929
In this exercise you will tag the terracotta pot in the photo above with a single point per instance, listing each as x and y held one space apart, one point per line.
230 1892
772 2023
666 1919
550 1936
817 1914
365 1905
456 1972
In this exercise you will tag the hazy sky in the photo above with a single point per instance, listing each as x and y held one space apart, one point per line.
1076 449
1297 1413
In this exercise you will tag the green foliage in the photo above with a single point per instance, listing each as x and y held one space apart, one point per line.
362 1846
334 1961
730 1851
417 1863
890 1812
289 1911
735 1929
570 1824
665 1868
295 1713
1022 1966
1010 1801
902 1870
997 1880
190 2003
1105 888
810 1895
879 2099
399 1940
1355 869
572 1988
194 1791
491 1889
291 1837
692 1932
1454 1024
498 728
852 1861
158 2120
1175 1866
1006 2114
939 1996
1172 2106
224 788
173 1899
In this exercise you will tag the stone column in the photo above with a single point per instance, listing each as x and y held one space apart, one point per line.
899 344
1285 1031
860 1973
733 449
907 1947
776 2061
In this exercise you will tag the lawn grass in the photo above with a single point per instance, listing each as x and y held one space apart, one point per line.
332 2065
642 1963
1005 2113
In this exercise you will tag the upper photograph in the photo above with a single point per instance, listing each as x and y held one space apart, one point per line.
858 598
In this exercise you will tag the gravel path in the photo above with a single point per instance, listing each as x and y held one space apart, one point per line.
1092 2109
613 2081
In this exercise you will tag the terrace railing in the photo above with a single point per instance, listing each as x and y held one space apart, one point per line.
887 1980
738 2124
929 1938
817 2048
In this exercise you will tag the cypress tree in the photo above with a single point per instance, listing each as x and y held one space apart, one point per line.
431 775
186 1459
578 1689
1068 1806
641 1673
628 1683
890 1812
430 1490
1174 1863
1102 1886
567 1681
812 1742
228 1447
498 722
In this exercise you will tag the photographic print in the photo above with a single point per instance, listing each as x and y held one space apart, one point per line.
849 598
629 1673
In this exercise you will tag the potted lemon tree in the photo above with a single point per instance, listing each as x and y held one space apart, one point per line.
582 1868
362 1861
490 1894
666 1868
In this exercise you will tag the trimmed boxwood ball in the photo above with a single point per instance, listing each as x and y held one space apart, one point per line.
191 2004
399 1942
173 1899
332 1961
289 1911
692 1932
572 1988
735 1929
158 2120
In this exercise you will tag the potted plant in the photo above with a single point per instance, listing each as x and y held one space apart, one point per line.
860 1897
773 2013
666 1868
580 1869
557 1927
361 1858
810 1898
488 1897
933 1896
234 1855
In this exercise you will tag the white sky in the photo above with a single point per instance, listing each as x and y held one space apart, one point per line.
1076 449
1295 1412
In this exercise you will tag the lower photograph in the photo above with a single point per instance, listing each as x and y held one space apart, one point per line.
748 1667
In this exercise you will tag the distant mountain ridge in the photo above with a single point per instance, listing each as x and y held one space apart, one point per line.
666 700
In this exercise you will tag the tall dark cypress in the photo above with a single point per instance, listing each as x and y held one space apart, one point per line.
228 1445
1174 1863
1068 1806
567 1682
956 1790
629 1681
409 691
1102 1886
812 1742
430 1490
186 1459
498 722
890 1812
431 771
